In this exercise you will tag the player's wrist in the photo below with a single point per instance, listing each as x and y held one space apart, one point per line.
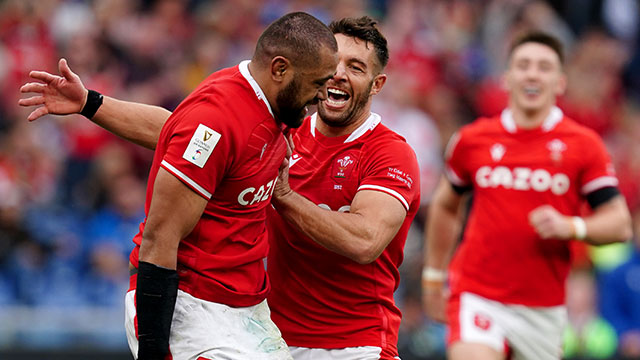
433 278
282 195
92 103
579 228
156 294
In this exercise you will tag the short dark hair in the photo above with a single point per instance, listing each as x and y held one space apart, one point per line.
364 28
540 38
297 36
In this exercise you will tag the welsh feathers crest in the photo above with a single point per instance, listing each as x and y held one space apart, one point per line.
497 151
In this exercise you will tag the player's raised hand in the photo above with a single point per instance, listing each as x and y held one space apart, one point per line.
59 95
551 224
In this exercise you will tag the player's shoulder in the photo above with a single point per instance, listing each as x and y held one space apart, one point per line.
383 137
385 145
227 98
570 127
580 137
227 86
482 125
480 130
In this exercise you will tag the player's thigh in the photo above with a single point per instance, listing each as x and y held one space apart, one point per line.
468 351
207 330
130 322
536 333
476 320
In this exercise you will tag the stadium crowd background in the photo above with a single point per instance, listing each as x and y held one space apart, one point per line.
71 195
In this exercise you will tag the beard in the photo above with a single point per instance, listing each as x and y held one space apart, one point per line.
349 115
290 111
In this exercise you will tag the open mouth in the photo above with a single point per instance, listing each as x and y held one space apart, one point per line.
337 97
532 90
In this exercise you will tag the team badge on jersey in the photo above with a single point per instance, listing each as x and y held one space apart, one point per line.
556 148
482 321
343 166
201 145
497 151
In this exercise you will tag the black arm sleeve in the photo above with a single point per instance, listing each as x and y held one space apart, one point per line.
601 196
156 292
460 189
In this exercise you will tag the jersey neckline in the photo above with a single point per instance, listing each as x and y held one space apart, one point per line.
372 121
553 119
244 70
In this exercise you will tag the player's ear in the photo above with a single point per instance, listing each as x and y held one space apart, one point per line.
504 81
280 68
378 83
561 87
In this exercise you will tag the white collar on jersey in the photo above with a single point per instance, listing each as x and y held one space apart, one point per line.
244 70
372 121
555 116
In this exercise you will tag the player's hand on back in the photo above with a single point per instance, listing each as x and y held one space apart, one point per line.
551 224
60 95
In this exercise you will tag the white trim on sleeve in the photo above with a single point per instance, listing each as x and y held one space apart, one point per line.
453 177
599 183
186 179
388 191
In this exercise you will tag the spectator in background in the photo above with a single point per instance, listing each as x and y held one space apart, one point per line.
528 170
587 335
594 88
620 299
106 239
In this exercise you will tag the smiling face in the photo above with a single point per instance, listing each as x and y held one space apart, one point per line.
356 79
306 87
534 78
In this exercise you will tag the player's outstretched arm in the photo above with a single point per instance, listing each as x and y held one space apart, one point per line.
443 227
65 94
610 222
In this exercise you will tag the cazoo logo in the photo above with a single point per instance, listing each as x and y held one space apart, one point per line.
522 178
250 196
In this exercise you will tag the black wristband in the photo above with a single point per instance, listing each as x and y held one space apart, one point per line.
94 101
156 292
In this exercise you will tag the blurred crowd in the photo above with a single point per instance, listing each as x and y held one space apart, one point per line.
72 195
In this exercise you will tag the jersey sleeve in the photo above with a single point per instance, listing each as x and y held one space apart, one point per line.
455 161
392 169
598 171
198 149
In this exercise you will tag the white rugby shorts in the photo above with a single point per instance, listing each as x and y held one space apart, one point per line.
529 333
350 353
204 330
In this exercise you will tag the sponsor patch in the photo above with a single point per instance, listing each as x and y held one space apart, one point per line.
202 143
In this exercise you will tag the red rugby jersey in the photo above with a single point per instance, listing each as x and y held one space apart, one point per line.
513 171
223 142
321 299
